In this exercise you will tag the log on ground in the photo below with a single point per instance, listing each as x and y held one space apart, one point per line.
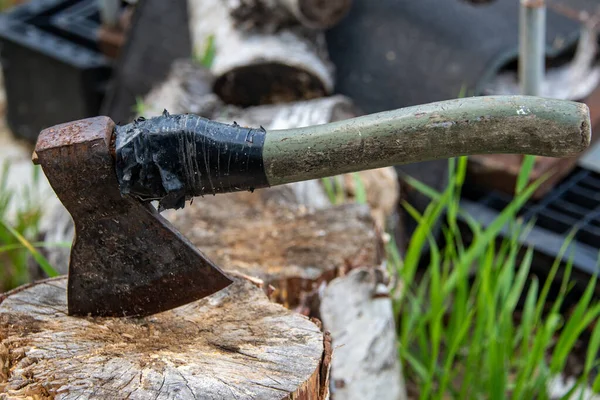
357 310
233 344
253 67
187 89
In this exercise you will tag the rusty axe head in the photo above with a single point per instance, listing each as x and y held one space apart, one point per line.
127 260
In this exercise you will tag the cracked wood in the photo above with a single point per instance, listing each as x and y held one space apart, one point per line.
234 344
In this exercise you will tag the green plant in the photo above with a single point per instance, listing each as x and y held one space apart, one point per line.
140 106
334 188
208 55
336 193
16 234
458 333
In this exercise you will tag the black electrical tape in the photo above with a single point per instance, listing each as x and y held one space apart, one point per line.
173 158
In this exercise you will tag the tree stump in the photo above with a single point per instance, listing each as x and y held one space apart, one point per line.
234 344
268 235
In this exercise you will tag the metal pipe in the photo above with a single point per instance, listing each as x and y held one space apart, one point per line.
532 39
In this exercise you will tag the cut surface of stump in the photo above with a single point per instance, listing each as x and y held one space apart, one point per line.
290 246
234 344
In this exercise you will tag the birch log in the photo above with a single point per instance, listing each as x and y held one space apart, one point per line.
314 14
357 310
186 89
234 344
253 67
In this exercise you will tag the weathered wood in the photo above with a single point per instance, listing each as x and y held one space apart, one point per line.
233 344
294 114
253 67
267 235
382 193
315 14
445 129
296 253
357 310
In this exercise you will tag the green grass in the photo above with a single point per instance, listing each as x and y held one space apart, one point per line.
207 57
17 235
458 334
140 107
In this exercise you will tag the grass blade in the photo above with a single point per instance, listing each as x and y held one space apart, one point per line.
46 245
415 365
41 260
592 350
329 190
360 193
552 274
526 327
420 186
492 231
596 384
526 167
519 283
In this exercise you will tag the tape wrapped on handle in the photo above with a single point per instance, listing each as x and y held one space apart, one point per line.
174 158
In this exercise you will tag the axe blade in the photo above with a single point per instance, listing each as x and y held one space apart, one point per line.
126 259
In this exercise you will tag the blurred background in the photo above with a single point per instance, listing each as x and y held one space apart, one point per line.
295 63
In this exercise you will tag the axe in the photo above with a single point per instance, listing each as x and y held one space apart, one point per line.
127 260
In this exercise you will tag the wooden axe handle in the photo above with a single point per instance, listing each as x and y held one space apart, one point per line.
173 158
446 129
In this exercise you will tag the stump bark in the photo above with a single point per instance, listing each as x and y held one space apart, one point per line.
234 344
357 310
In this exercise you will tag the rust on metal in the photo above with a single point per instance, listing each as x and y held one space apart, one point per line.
126 260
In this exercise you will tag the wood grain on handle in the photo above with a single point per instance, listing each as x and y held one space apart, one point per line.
475 125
